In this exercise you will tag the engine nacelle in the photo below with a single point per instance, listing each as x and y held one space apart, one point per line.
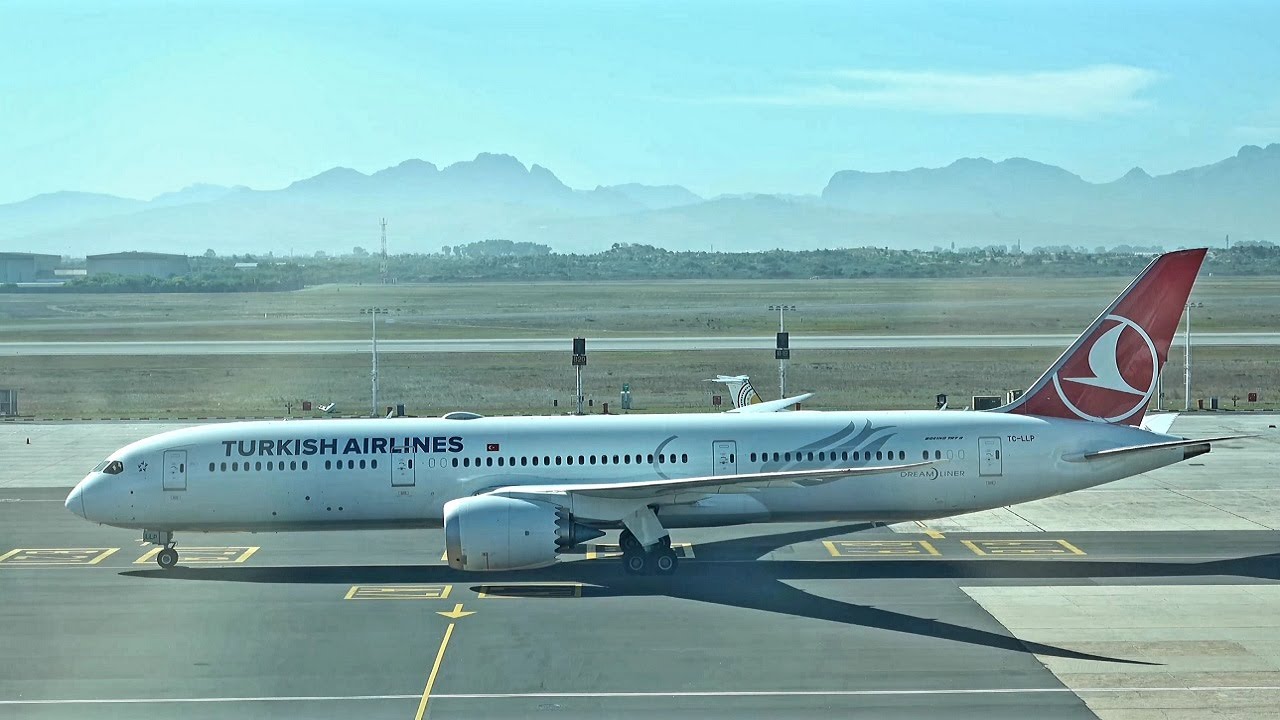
491 532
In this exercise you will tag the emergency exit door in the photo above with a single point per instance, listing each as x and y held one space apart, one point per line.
989 456
175 469
724 457
403 472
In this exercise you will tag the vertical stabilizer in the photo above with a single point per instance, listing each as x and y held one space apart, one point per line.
740 391
1109 373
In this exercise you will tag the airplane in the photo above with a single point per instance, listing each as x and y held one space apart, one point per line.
745 399
516 492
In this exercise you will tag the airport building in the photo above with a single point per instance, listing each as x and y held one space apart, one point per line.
161 265
26 267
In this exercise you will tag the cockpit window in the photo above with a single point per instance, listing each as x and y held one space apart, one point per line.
115 467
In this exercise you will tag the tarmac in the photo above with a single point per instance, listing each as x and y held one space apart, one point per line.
1068 613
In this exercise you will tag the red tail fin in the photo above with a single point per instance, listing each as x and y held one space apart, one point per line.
1109 373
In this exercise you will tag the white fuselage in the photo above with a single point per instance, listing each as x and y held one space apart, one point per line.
341 474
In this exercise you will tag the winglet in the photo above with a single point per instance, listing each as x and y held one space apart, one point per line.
1109 373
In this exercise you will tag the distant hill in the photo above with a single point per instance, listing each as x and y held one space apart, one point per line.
971 202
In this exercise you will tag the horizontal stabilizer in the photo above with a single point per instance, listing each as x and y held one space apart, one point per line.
772 405
1159 423
1116 452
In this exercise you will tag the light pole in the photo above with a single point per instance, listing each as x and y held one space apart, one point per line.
373 314
783 350
1187 348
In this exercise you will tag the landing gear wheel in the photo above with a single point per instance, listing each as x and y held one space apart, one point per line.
167 558
664 561
636 562
628 542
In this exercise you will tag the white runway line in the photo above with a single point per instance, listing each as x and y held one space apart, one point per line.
656 695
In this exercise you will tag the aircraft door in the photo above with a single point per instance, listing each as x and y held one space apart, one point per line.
724 457
989 462
403 473
175 469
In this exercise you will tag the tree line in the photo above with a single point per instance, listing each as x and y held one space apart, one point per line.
501 260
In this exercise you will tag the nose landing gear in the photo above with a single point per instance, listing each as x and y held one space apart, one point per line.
167 558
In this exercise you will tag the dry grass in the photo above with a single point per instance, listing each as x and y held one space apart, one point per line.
259 385
729 307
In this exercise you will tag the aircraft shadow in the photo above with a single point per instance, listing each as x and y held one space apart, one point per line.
727 573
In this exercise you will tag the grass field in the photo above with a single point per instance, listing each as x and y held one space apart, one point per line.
528 383
260 385
728 307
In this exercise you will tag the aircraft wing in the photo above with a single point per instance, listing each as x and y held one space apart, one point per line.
771 405
705 485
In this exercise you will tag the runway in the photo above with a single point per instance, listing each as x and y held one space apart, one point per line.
808 620
1157 596
560 344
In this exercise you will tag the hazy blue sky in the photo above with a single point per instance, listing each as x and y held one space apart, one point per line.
137 98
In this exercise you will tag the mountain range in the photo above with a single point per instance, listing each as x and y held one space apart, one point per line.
971 202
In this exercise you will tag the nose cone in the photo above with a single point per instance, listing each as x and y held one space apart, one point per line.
75 500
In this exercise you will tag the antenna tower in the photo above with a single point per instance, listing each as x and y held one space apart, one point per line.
383 268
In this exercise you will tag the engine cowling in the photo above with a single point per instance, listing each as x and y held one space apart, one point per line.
491 532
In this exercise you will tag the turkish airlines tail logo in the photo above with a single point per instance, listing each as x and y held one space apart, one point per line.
1110 372
1104 363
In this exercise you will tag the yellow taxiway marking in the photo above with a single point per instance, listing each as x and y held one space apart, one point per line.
929 531
879 548
55 556
398 592
605 550
456 612
1037 546
435 670
530 590
203 555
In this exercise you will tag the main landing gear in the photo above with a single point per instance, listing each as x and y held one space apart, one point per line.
167 558
658 558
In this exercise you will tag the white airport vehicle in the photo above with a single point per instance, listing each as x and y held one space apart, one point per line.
513 492
745 399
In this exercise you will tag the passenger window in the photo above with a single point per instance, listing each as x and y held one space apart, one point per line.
845 455
304 464
937 454
500 462
775 457
524 460
488 461
211 467
592 459
568 459
328 464
293 465
258 466
374 463
786 456
650 456
615 459
535 459
879 455
362 464
582 460
224 467
235 467
924 455
810 457
466 462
